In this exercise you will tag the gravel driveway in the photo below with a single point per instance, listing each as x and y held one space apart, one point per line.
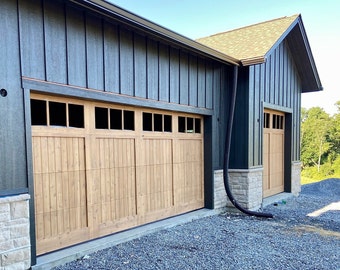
297 237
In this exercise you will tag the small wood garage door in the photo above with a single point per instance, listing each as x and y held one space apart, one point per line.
102 168
273 153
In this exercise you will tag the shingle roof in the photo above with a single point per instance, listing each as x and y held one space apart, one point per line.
250 44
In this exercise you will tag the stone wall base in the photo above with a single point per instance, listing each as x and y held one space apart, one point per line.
245 184
296 178
15 247
246 187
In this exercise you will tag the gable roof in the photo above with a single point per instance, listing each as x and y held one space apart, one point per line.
253 44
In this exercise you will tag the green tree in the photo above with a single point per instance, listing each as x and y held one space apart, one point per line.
334 136
315 144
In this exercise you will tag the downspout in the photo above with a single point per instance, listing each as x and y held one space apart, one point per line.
227 154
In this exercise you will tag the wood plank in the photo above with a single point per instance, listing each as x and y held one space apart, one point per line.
94 53
76 49
126 63
111 59
164 73
140 66
32 39
55 42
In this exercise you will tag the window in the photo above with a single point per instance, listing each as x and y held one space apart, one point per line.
38 112
189 125
58 114
107 118
277 121
157 122
266 120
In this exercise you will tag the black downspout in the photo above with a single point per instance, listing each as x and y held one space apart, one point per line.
227 154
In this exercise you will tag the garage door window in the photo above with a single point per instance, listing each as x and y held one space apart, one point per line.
106 118
189 125
157 122
58 114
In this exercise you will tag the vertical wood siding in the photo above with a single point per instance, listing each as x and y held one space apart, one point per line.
64 44
13 170
275 82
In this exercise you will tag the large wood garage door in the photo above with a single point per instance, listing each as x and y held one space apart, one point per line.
273 153
102 168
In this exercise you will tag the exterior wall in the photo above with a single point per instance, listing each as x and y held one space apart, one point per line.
275 83
246 186
15 248
61 43
13 169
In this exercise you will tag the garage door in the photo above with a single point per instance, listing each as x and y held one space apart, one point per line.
101 168
273 153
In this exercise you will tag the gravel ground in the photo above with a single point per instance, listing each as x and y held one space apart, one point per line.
291 240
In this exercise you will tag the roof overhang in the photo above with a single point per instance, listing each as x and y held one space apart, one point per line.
109 10
299 46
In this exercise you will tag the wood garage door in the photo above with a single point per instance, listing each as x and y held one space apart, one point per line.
102 168
273 153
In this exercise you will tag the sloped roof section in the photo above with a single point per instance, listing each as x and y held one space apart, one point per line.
253 44
250 44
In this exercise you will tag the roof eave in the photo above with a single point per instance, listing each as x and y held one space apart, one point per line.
154 29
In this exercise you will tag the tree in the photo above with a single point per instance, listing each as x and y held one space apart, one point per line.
315 128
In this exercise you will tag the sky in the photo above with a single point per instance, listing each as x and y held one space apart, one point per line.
200 18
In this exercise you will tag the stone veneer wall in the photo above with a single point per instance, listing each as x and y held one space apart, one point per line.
246 186
296 178
15 248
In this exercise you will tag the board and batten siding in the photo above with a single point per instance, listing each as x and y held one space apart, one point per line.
275 82
63 44
13 169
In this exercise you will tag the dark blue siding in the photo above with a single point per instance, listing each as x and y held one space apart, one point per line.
13 169
276 84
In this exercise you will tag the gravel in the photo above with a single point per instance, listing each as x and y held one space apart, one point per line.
293 239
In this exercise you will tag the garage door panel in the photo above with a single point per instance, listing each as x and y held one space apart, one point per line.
156 173
60 198
95 180
188 172
116 183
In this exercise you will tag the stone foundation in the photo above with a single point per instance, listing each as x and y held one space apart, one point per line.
246 186
15 248
296 178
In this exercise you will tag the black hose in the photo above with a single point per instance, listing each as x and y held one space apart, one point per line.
227 154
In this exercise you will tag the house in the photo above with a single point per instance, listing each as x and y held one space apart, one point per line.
111 121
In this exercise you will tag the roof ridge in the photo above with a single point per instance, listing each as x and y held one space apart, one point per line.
250 25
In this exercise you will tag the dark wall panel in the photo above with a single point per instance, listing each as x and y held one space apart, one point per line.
184 79
55 42
111 57
13 169
94 53
282 90
152 69
193 81
140 66
32 39
126 63
76 47
201 83
174 75
65 44
164 73
209 85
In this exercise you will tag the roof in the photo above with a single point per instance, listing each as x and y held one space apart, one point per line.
253 44
250 44
132 20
